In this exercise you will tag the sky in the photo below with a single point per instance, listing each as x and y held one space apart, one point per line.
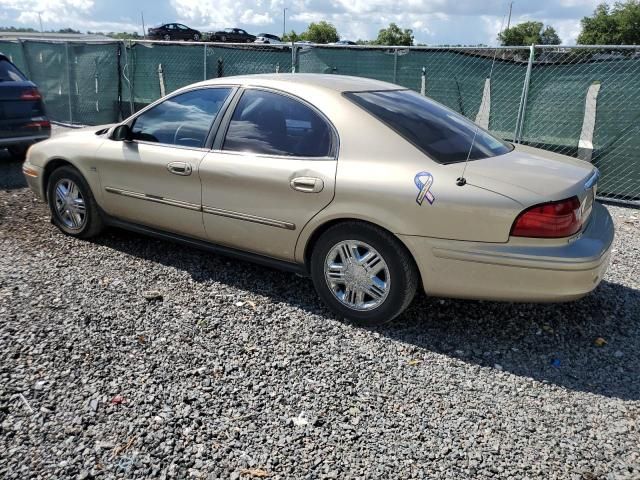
434 22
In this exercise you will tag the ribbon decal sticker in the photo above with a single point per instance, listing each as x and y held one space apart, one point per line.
424 181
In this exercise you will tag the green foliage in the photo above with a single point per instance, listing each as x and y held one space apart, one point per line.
124 35
529 33
17 29
617 25
321 32
292 36
394 35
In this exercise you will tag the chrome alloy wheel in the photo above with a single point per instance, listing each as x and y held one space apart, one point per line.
357 275
70 205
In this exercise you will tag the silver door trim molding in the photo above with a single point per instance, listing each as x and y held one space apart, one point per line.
249 218
154 198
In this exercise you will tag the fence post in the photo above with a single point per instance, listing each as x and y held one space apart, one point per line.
517 134
423 84
204 62
294 56
161 80
66 50
126 68
27 68
395 65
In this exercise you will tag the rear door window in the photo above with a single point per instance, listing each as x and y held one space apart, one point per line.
274 124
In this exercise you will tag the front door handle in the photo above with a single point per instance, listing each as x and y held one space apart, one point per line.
307 184
180 168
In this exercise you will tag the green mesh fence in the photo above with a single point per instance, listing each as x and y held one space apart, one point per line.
103 82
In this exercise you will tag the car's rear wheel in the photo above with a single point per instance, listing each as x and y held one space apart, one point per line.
363 273
167 37
223 38
73 207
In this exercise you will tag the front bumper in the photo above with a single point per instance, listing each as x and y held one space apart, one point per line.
527 270
33 175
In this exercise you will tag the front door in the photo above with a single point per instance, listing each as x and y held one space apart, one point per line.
270 174
153 179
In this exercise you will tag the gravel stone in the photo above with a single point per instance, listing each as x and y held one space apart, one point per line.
452 389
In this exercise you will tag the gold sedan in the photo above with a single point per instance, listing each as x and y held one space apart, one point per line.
371 189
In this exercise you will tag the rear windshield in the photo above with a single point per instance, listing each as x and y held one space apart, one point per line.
9 73
442 134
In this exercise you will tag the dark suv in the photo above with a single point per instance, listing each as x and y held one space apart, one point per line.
23 120
174 31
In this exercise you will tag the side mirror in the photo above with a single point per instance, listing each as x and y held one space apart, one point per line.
122 133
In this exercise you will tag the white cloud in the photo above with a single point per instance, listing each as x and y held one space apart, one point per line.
433 21
224 13
54 11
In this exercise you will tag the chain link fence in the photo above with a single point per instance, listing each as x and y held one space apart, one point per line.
578 101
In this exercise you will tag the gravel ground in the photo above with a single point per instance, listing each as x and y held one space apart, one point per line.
238 371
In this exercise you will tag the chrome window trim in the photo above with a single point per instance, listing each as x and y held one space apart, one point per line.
267 155
224 126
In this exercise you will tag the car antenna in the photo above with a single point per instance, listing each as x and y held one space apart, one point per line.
461 180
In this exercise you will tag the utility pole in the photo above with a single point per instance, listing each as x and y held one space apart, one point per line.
284 22
40 19
510 10
144 32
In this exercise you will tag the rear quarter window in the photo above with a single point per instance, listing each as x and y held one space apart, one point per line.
9 73
442 134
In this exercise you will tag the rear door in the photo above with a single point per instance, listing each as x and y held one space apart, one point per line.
269 173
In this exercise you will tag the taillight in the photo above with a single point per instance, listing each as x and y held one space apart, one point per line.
549 220
31 94
38 124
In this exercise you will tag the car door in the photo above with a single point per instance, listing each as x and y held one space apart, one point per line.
153 179
271 170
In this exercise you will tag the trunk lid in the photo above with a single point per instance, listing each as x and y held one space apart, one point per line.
530 175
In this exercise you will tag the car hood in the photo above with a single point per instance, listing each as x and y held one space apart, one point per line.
84 131
530 175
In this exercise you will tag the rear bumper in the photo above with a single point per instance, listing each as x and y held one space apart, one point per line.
528 270
25 141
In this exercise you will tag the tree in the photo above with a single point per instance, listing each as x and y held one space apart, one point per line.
528 33
619 25
292 36
394 35
321 32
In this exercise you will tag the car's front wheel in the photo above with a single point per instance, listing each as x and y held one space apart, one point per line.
363 273
196 37
73 207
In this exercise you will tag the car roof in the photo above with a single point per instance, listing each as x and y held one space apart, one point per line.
323 81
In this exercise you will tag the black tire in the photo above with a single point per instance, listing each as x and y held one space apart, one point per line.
403 273
167 38
18 152
93 222
223 38
196 37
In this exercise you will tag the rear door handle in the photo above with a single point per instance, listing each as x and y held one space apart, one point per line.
307 184
180 168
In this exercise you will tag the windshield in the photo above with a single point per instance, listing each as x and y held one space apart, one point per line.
439 132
